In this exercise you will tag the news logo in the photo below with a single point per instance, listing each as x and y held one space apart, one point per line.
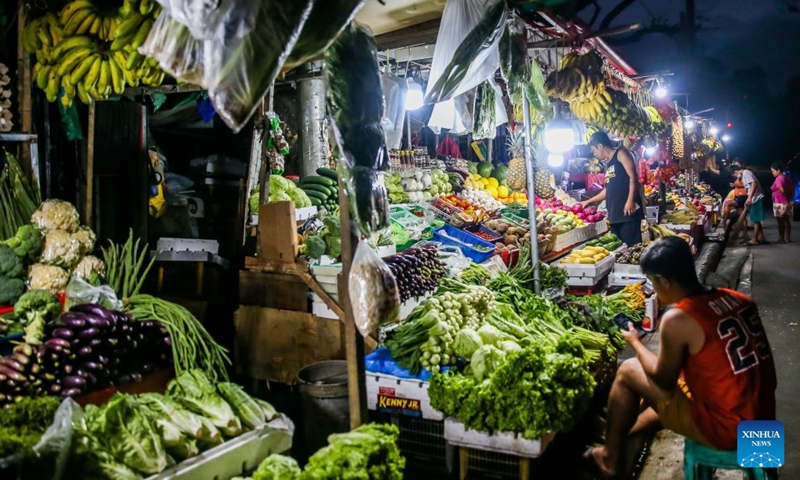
760 444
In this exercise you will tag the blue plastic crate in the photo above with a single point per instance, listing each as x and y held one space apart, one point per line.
465 242
496 236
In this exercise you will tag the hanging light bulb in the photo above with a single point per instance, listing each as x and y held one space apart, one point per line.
661 91
555 160
649 151
414 96
726 138
688 124
559 137
714 131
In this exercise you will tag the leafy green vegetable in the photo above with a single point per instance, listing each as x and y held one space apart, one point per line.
315 247
369 452
10 264
248 411
485 361
27 242
467 342
24 422
10 289
193 390
277 467
189 423
126 432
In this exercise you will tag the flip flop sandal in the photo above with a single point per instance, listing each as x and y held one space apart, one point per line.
593 466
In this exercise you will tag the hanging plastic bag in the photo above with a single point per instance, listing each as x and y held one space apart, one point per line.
454 114
176 50
369 200
374 297
394 93
239 74
224 20
467 50
79 292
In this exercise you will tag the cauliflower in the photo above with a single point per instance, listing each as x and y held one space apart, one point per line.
56 215
61 249
86 237
88 265
48 277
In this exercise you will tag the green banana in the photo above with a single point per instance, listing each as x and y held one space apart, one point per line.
94 73
72 42
72 59
82 69
117 78
141 34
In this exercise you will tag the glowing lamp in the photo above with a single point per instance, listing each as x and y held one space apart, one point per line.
414 96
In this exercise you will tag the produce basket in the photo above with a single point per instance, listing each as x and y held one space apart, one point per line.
515 219
403 396
449 235
456 433
448 213
485 234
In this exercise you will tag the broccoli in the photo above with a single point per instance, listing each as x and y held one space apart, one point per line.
315 247
10 289
10 263
334 246
332 223
36 308
27 243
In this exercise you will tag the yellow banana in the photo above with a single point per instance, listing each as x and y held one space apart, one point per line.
141 34
66 100
83 95
56 33
69 9
53 84
145 7
70 43
43 37
30 42
97 22
133 60
86 25
82 68
41 77
77 20
117 77
105 76
72 59
128 7
92 75
129 25
130 78
66 85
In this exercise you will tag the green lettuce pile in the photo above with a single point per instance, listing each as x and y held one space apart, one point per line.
280 190
133 436
532 390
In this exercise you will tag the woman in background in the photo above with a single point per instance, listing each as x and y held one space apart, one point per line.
782 201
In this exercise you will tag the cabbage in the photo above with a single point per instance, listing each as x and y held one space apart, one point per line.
255 196
277 467
299 197
491 335
509 346
279 184
193 390
279 197
485 361
467 341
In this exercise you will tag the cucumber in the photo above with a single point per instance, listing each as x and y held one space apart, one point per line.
315 194
315 202
334 190
318 180
317 187
328 172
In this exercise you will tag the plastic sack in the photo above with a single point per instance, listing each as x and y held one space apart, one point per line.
79 292
369 200
223 20
52 451
447 79
374 297
394 94
56 214
240 73
176 50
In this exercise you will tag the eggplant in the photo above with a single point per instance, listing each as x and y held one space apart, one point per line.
24 349
57 342
92 366
71 392
22 359
85 351
89 333
123 379
136 377
73 319
12 375
148 367
65 333
94 309
112 341
102 360
95 342
73 381
55 388
13 364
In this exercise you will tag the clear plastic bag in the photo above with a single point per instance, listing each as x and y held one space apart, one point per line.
369 200
61 249
238 74
80 292
394 94
224 20
176 50
374 297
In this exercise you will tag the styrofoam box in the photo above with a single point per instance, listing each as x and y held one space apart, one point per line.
585 281
587 270
679 228
391 394
320 309
617 279
456 433
304 213
625 268
651 214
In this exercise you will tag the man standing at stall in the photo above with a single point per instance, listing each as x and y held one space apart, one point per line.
754 202
714 339
621 194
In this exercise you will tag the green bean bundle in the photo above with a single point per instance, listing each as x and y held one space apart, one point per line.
192 345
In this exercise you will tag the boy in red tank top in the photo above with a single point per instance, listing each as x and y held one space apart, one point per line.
714 339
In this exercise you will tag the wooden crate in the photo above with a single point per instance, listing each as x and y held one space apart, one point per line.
273 344
273 290
277 227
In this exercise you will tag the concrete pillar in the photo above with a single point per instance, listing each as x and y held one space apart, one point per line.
313 129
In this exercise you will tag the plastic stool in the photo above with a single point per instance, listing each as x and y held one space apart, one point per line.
699 463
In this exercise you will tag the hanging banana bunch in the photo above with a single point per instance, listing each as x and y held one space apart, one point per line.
90 51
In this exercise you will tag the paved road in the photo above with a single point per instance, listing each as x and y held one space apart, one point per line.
776 290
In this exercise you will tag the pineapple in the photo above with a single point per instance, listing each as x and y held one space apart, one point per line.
516 175
541 181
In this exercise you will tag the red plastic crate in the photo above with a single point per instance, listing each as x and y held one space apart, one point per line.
588 290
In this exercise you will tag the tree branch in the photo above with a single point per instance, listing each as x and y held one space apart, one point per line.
615 12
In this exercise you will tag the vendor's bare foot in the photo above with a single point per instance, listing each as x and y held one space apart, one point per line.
599 458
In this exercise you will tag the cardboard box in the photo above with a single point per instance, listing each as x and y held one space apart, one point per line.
272 344
277 228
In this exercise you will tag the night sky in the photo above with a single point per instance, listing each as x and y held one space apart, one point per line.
746 64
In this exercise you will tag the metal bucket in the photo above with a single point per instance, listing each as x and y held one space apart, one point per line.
325 402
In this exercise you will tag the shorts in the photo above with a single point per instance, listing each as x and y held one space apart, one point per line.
740 199
675 414
757 211
629 232
783 209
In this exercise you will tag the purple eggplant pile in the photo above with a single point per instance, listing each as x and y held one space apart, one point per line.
417 270
86 349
